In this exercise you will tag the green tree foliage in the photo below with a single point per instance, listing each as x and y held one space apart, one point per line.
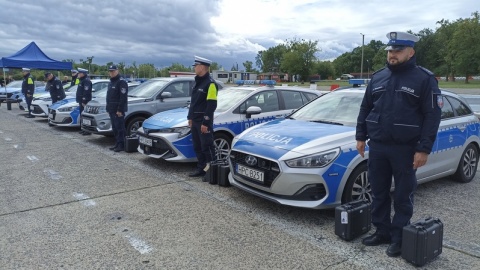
271 59
325 69
299 57
248 66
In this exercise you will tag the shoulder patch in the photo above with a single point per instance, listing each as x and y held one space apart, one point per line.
426 70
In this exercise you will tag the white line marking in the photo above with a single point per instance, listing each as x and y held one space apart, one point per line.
15 146
52 174
8 139
86 201
32 158
138 244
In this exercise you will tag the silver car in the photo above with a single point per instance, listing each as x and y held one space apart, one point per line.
309 159
149 98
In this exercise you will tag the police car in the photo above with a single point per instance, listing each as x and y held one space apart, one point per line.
166 135
41 101
309 159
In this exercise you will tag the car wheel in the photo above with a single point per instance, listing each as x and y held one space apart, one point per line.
358 187
222 144
134 124
467 167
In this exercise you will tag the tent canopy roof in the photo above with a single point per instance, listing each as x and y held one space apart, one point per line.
32 57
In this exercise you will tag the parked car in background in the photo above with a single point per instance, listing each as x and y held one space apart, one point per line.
166 135
13 91
149 98
309 159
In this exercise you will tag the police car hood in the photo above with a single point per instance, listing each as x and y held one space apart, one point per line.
64 103
10 89
168 119
276 138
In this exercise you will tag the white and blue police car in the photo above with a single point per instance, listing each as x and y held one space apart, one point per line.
166 134
309 158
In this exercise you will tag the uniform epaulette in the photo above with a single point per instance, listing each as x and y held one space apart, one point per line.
378 70
426 70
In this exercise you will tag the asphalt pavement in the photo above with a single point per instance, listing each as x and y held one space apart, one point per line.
67 202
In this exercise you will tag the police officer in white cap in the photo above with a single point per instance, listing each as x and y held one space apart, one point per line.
200 115
28 88
399 116
75 79
84 92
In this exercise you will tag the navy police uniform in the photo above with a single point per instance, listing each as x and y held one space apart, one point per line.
28 88
55 88
84 93
202 106
399 115
117 101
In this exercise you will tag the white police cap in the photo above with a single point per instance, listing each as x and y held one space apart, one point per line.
82 70
202 61
25 69
398 41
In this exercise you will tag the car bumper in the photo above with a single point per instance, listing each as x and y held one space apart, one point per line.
39 110
63 119
296 187
97 124
166 146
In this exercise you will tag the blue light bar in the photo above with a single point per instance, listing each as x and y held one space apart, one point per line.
256 82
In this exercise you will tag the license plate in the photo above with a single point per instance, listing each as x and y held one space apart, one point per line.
86 122
250 173
145 141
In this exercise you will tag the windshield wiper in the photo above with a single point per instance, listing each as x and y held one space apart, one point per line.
327 122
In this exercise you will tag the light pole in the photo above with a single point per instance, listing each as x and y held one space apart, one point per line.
368 69
361 64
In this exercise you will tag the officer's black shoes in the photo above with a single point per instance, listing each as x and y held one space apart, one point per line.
394 250
376 239
113 147
86 133
30 116
197 173
119 148
81 131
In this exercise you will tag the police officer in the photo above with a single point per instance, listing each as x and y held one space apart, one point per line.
200 115
84 92
28 88
54 87
117 105
399 115
75 79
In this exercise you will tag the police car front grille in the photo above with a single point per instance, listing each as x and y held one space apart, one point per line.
92 109
263 165
159 146
37 109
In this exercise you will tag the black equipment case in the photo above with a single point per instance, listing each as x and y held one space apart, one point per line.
422 241
222 174
211 175
352 219
131 144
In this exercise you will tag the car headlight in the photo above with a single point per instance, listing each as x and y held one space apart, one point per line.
102 109
314 161
67 109
182 131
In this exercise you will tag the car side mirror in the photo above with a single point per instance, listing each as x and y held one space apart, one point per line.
165 95
252 110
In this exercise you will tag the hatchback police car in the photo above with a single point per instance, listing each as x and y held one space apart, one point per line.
166 135
309 159
149 98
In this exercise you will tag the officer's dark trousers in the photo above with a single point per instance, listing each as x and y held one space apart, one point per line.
203 144
28 100
118 128
385 160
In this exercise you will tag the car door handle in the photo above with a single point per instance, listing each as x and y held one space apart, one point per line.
462 128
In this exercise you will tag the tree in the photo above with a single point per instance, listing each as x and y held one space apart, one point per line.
299 57
324 68
215 66
248 66
271 59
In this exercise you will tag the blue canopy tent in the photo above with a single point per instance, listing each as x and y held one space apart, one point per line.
32 57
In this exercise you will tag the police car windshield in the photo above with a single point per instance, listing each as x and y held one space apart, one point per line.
340 107
101 93
147 89
229 97
15 84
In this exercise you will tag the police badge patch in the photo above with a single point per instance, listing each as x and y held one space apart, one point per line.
85 88
123 90
440 101
58 86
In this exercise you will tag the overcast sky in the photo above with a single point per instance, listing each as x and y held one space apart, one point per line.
163 32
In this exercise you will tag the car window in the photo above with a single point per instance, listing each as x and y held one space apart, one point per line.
458 106
148 88
447 110
266 100
178 89
309 96
293 99
99 85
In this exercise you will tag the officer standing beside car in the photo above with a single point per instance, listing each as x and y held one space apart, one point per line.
28 88
75 79
200 115
399 115
54 87
84 92
117 105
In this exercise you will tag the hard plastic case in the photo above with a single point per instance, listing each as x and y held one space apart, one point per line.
352 219
422 241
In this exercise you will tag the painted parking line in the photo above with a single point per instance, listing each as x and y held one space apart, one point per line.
86 201
32 158
52 174
8 139
137 243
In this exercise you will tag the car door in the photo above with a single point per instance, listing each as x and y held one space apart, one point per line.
451 136
267 101
179 95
